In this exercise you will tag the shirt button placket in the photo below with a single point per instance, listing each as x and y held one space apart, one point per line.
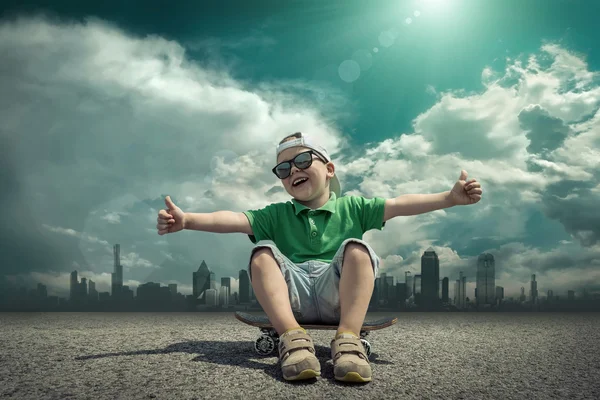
313 227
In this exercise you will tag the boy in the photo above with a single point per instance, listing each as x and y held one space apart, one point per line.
310 263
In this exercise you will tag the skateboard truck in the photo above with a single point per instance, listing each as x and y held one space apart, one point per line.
268 340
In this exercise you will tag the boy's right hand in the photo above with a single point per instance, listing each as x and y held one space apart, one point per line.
171 219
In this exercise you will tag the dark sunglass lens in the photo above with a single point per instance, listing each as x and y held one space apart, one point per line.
283 170
303 160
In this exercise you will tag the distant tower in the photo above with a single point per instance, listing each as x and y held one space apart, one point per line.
226 283
84 287
74 286
409 283
460 297
201 282
212 280
486 280
117 275
244 287
445 297
533 292
211 297
93 293
173 288
430 278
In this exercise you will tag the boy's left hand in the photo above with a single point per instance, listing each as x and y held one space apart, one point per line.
465 192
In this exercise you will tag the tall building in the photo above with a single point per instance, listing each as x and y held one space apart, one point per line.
390 295
42 291
533 292
460 287
385 289
84 287
201 282
486 280
408 280
226 281
173 289
211 297
445 288
499 294
417 285
430 278
117 275
93 293
224 296
73 287
244 290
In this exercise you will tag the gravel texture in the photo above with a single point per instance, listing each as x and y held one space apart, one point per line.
211 355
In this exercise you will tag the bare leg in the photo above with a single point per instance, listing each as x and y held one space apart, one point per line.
271 290
356 288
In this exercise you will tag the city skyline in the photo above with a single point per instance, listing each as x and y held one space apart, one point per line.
108 111
425 284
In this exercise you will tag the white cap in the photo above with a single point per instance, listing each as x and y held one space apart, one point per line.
334 183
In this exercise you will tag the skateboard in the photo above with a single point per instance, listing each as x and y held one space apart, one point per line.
268 340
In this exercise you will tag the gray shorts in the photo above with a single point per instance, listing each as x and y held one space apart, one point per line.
313 286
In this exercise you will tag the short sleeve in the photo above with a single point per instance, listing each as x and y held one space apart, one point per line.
371 212
262 222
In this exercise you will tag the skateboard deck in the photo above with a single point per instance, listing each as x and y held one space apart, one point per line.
261 321
268 340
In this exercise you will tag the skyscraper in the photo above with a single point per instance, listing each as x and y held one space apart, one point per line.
533 292
201 282
226 281
74 286
244 287
460 297
445 288
430 278
486 280
408 279
117 275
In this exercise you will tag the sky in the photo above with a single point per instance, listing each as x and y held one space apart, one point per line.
107 108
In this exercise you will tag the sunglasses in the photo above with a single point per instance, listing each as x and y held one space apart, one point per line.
302 161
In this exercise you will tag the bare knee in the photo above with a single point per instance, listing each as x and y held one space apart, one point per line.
261 257
357 253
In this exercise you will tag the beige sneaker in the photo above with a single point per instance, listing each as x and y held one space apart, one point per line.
297 356
350 361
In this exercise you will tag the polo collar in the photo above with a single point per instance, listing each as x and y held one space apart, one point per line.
329 206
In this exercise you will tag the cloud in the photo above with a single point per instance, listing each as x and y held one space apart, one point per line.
532 139
99 125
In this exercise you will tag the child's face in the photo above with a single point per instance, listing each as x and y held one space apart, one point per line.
318 175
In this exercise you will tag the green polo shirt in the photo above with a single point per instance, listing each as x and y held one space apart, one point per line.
302 234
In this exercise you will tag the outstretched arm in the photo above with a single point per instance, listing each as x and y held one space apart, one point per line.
463 193
413 204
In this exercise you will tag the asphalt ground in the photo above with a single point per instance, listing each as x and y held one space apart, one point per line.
211 355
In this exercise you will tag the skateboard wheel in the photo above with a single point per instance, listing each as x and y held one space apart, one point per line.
264 345
367 346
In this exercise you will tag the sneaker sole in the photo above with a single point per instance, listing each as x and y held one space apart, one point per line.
306 374
353 377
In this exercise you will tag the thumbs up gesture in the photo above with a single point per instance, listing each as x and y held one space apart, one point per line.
171 219
465 192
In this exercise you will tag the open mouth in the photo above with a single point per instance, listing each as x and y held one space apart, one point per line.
299 182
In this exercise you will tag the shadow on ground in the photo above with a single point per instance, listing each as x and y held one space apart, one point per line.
238 353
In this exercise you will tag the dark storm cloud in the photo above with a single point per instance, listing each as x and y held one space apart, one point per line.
576 206
545 132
